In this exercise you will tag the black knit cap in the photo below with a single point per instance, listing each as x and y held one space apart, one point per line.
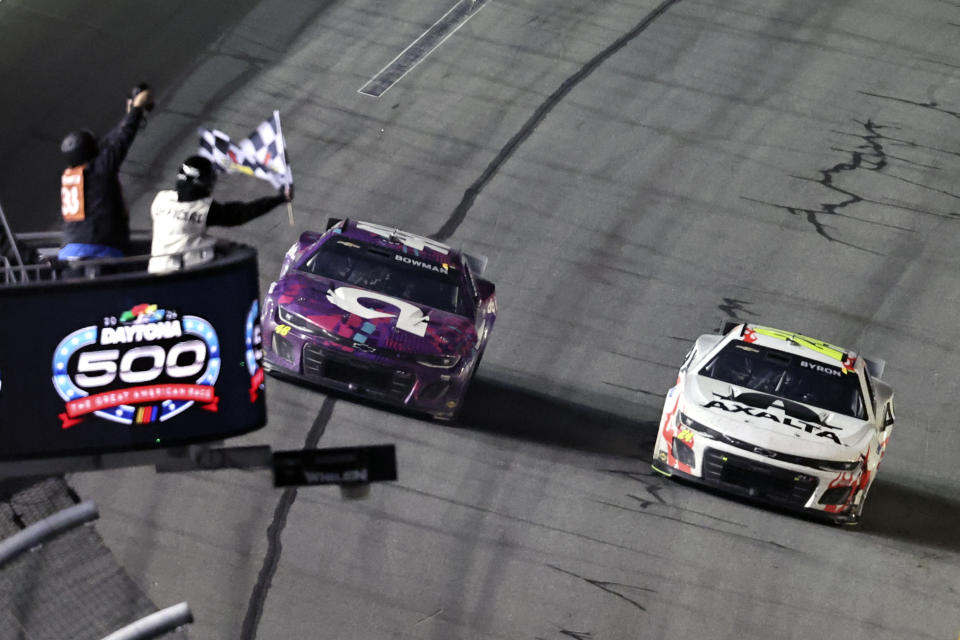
79 147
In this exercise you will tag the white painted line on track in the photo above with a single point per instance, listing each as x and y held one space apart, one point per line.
420 48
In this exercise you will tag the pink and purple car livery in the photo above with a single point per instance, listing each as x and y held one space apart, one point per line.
380 313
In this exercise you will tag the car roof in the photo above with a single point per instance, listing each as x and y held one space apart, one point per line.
798 344
398 240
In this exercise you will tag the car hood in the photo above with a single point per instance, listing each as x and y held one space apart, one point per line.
377 321
773 423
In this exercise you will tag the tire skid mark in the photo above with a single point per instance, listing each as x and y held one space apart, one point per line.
258 597
655 394
429 617
646 503
704 527
470 195
609 587
636 358
653 488
527 521
914 183
617 385
933 105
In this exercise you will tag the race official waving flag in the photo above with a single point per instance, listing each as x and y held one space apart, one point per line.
262 154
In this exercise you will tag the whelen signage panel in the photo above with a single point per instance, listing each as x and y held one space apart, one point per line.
341 465
131 361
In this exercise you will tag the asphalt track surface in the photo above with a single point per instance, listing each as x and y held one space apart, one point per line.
635 172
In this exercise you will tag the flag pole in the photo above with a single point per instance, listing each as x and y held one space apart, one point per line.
286 164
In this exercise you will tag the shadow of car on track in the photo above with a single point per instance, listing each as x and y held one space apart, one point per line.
501 408
900 512
893 511
510 410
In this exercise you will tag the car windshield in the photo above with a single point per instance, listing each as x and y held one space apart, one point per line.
393 274
787 376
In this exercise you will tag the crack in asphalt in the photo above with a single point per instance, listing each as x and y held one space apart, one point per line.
870 155
470 195
258 597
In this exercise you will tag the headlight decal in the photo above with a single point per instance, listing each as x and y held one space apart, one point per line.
439 362
297 321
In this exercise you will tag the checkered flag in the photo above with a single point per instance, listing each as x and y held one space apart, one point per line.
216 146
262 154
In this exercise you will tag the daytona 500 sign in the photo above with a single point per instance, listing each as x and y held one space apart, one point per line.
149 365
130 362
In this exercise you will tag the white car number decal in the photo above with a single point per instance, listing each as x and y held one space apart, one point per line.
410 318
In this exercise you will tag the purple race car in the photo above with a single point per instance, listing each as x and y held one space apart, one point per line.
380 313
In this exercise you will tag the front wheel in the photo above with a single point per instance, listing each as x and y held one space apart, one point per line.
476 365
454 415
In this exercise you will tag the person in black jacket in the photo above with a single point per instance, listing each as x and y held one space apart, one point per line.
181 216
95 219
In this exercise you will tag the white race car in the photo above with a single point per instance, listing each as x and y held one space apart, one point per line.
777 417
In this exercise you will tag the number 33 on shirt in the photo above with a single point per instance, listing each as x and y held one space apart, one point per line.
71 194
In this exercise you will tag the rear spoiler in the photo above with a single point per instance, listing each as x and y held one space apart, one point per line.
728 324
478 264
874 367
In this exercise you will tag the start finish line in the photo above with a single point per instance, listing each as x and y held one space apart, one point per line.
422 47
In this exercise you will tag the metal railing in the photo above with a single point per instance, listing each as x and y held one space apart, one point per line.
155 624
48 267
8 234
37 533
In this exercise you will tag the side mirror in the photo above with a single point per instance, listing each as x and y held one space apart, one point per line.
727 325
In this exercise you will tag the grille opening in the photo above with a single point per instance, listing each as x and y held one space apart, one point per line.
365 377
361 376
434 390
756 479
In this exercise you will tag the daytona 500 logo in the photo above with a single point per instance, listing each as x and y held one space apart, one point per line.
253 354
147 365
